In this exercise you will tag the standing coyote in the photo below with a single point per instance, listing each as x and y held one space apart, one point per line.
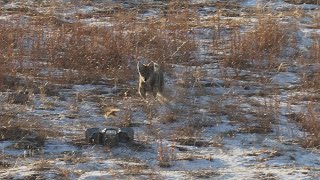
150 79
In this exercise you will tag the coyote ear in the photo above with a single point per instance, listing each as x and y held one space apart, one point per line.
140 65
151 65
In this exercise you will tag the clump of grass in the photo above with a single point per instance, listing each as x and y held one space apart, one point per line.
27 134
135 169
315 49
170 117
42 165
309 122
266 116
311 81
26 139
258 47
4 164
190 141
75 159
19 97
10 130
63 173
188 130
165 154
204 173
2 76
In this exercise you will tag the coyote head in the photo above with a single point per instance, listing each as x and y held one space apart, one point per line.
146 70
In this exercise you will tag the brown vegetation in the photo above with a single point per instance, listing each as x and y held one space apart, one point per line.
309 122
26 135
86 53
260 46
41 51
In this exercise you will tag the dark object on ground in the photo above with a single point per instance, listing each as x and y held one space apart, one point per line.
109 136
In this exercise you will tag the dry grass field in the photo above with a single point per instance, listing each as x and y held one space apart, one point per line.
241 99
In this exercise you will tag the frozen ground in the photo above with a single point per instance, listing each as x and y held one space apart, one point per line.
230 144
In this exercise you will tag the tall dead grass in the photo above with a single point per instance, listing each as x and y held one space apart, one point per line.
315 49
309 121
165 154
260 46
311 73
82 52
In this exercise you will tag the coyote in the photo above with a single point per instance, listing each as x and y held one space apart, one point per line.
150 79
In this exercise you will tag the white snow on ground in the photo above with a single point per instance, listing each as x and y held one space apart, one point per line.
251 3
285 79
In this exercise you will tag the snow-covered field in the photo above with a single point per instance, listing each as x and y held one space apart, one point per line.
214 121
